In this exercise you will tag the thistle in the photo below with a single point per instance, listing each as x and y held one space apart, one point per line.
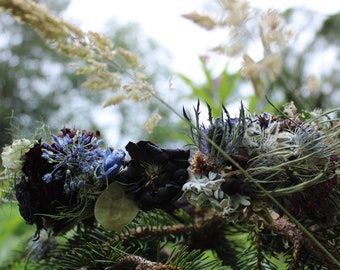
293 158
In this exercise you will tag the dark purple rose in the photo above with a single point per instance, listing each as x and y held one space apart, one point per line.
41 192
154 175
36 197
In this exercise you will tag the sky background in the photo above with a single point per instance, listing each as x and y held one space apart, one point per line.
161 20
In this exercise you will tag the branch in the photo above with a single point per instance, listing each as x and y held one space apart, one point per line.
145 231
142 264
282 226
201 223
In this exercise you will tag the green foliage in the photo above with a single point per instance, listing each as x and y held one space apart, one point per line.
259 254
13 234
215 91
328 30
148 236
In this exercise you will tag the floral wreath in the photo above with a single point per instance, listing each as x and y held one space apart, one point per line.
234 165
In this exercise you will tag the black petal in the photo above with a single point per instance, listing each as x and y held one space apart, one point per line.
154 175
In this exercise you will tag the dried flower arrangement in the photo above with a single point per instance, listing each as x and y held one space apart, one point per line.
275 175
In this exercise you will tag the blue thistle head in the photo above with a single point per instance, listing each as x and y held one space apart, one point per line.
225 133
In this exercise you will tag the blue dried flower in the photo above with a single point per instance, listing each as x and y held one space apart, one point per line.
47 177
75 156
112 161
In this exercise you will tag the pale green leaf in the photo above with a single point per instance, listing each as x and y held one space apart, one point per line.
114 209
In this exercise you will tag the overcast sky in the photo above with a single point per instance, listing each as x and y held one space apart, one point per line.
162 21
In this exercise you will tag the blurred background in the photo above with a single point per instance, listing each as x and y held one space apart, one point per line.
38 85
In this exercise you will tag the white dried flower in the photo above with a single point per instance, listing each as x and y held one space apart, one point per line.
290 109
237 201
200 190
206 190
13 156
284 139
262 138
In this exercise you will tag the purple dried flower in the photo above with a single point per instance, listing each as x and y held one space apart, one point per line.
75 155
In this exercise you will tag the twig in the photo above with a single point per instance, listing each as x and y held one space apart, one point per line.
142 264
258 248
283 226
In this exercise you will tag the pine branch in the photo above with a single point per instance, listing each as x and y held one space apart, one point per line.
258 255
159 231
142 264
116 250
302 245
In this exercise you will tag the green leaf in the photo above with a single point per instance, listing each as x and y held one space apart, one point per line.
114 209
227 84
199 91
